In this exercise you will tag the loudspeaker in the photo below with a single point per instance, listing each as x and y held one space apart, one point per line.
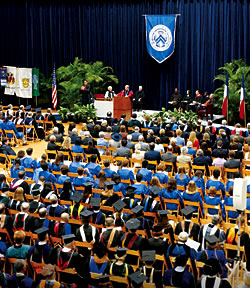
240 194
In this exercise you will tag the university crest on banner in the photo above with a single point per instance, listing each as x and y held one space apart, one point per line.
160 36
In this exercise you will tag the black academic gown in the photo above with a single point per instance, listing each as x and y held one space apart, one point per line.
193 233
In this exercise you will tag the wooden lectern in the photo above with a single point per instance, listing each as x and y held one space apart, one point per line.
122 105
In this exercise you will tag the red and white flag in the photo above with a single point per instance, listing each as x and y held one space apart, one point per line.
225 99
54 91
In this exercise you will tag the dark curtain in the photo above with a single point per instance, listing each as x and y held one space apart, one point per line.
208 34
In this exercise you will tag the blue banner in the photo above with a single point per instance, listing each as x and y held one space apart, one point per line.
160 36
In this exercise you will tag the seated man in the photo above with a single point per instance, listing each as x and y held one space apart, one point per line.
102 142
152 155
30 121
146 174
19 182
107 170
59 137
81 179
29 162
140 188
215 182
7 150
75 164
59 229
123 151
136 134
126 173
19 279
93 168
64 175
22 220
49 177
54 209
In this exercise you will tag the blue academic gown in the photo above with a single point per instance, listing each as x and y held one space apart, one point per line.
220 256
12 281
38 165
229 184
79 181
78 149
8 125
14 173
57 210
231 214
140 189
196 197
120 188
126 174
147 174
200 183
163 178
29 162
182 182
93 168
191 151
109 172
187 279
217 184
212 201
175 194
74 165
49 177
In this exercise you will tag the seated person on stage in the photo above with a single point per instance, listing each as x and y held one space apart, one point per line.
138 99
176 99
30 121
9 125
126 92
109 93
50 117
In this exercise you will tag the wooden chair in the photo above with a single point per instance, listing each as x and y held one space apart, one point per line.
37 268
118 279
102 148
135 161
58 186
227 209
110 158
196 167
169 164
212 168
76 154
51 152
34 134
207 206
172 201
234 247
10 134
83 245
181 188
228 170
134 254
194 204
6 159
69 271
5 231
66 155
148 285
46 128
12 261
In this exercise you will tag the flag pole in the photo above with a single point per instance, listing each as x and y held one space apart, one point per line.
245 114
227 107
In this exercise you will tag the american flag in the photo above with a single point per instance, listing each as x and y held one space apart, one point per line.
54 92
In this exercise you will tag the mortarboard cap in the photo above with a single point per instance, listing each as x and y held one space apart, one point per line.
188 210
87 184
77 197
42 230
38 110
130 189
119 205
36 192
95 202
157 228
109 183
28 108
155 190
86 213
211 239
137 278
121 251
163 212
133 224
137 209
148 256
68 238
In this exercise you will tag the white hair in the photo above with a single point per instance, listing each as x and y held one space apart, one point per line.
101 134
137 128
129 137
140 138
109 87
137 146
74 131
25 206
86 133
53 199
189 144
55 129
200 152
184 150
224 122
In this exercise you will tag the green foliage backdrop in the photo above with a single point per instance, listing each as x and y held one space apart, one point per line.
234 70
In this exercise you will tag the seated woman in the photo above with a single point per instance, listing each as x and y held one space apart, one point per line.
215 182
72 125
118 186
44 158
199 181
228 201
108 133
158 146
126 173
191 194
108 198
194 140
66 147
212 199
206 139
18 250
179 140
204 148
92 150
67 191
176 148
107 170
83 129
155 182
3 184
59 161
16 168
18 199
219 161
77 148
47 190
161 174
123 132
182 179
171 192
138 155
164 139
99 182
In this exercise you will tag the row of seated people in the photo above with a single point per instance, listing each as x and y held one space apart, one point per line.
120 231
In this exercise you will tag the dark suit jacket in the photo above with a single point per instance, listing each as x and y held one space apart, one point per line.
73 138
152 156
116 128
232 164
203 161
169 157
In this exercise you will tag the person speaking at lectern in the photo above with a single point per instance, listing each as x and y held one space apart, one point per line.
126 92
